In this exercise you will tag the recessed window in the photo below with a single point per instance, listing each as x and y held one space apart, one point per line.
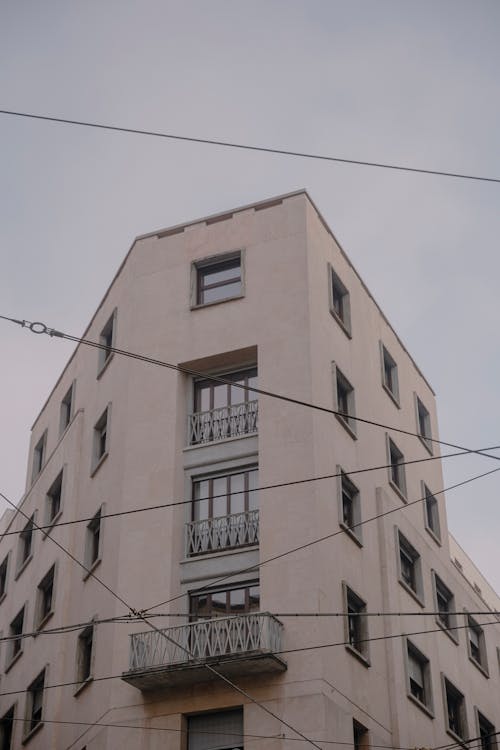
218 278
16 628
349 506
85 645
228 601
340 306
221 729
25 544
344 401
93 540
101 439
476 644
34 702
419 682
410 570
444 601
54 498
423 424
455 710
45 598
389 374
6 729
356 624
107 341
4 567
66 411
397 475
431 513
487 733
39 456
360 736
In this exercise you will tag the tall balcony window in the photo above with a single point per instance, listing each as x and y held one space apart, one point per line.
224 513
223 410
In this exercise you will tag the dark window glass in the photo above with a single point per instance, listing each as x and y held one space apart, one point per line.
3 576
35 694
6 726
218 281
225 602
16 629
54 497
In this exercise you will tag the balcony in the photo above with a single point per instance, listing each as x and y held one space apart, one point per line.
235 646
224 532
225 422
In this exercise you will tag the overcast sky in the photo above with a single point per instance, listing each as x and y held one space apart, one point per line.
392 81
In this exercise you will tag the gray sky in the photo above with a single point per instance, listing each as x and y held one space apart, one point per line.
392 80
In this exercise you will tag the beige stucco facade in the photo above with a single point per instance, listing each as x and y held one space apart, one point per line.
310 339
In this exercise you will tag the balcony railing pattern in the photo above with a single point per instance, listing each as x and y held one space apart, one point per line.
225 422
204 639
224 532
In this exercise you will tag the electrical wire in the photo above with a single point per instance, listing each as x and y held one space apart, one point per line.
248 147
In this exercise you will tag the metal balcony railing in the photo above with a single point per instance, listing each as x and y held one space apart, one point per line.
224 532
199 641
225 422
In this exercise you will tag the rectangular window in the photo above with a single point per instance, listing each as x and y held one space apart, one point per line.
397 475
476 644
389 374
84 654
222 730
340 306
360 736
344 402
107 341
39 456
431 513
225 602
455 710
45 598
487 733
218 278
423 424
25 544
349 507
66 411
356 624
15 632
445 606
3 576
418 671
34 702
93 540
54 498
6 729
101 439
410 570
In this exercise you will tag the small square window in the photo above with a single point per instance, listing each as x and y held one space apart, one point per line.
93 541
424 424
45 598
25 550
66 411
34 703
356 624
445 605
340 306
455 710
16 628
397 475
476 644
54 498
360 736
107 339
389 374
84 654
4 567
218 278
431 513
39 456
418 676
349 507
410 570
101 439
487 733
6 729
344 401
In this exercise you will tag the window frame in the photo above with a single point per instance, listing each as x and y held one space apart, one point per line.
482 721
30 727
402 490
387 358
234 740
104 356
355 530
15 647
4 577
214 261
67 409
24 559
457 694
360 736
41 616
102 425
406 548
39 457
51 519
350 598
410 651
337 289
238 586
340 380
85 662
12 710
482 662
424 430
426 493
91 564
450 630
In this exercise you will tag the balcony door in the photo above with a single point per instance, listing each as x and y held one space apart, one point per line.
209 395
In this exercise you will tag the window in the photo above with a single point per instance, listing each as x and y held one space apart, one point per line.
418 674
397 476
356 624
218 278
236 600
66 412
410 571
431 513
487 733
389 374
222 730
34 703
39 456
445 605
54 497
92 541
424 424
224 512
16 627
101 439
340 306
359 736
349 507
107 341
3 576
25 545
224 410
6 729
476 644
45 598
84 654
455 710
344 403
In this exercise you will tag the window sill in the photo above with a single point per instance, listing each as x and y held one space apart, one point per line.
104 366
345 424
23 566
11 663
427 445
413 594
82 685
479 666
98 465
341 323
352 534
201 305
88 572
43 622
421 705
52 522
392 396
448 632
354 651
433 535
32 732
398 492
458 740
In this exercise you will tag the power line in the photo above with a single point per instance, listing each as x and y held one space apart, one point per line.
324 538
41 328
248 147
